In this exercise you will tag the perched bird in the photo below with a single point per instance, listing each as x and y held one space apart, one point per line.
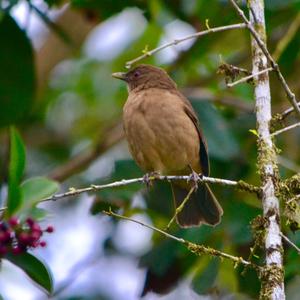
164 137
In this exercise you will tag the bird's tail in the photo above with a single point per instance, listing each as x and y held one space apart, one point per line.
202 206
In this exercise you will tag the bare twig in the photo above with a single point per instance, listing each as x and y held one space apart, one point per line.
197 249
247 78
288 111
94 188
241 185
173 237
290 242
181 206
291 96
286 129
188 37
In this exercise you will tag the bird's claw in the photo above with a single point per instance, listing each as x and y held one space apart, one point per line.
195 178
148 178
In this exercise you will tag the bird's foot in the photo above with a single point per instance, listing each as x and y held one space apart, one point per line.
195 178
148 178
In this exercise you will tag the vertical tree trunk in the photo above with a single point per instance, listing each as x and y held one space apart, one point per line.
272 277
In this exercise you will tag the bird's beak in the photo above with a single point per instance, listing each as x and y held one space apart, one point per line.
119 75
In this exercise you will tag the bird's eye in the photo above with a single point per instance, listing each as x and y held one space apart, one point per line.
136 74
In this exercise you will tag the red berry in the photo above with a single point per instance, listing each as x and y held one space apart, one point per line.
35 235
24 238
35 244
17 250
30 221
3 250
43 244
49 229
35 227
4 236
13 221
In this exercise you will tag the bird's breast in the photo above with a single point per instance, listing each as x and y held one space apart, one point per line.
161 136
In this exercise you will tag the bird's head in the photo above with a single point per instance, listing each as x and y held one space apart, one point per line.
146 76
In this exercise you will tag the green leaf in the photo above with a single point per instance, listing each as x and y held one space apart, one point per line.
34 268
17 78
16 170
17 155
222 144
254 131
36 213
37 188
204 280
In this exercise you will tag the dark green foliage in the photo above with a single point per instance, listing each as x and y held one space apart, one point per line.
16 170
17 78
35 269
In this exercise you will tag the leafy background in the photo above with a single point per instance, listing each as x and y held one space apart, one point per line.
56 61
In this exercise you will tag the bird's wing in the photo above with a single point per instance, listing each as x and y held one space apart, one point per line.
204 160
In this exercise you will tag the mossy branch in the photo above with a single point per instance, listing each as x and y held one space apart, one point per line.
194 248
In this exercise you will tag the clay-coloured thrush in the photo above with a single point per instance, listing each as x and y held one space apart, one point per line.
164 136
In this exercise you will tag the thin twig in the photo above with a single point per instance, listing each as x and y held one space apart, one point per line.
197 249
123 182
244 79
286 129
170 236
181 206
288 111
290 242
291 96
94 188
188 37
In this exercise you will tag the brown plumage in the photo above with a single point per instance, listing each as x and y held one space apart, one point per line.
164 136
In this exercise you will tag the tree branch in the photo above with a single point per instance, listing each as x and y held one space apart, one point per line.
181 206
288 111
285 129
290 242
272 278
195 248
247 78
188 37
291 96
241 185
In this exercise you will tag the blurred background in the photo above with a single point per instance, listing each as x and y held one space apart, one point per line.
58 57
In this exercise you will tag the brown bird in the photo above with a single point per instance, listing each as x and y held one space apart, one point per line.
164 136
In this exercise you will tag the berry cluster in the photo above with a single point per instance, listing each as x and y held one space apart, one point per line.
17 237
